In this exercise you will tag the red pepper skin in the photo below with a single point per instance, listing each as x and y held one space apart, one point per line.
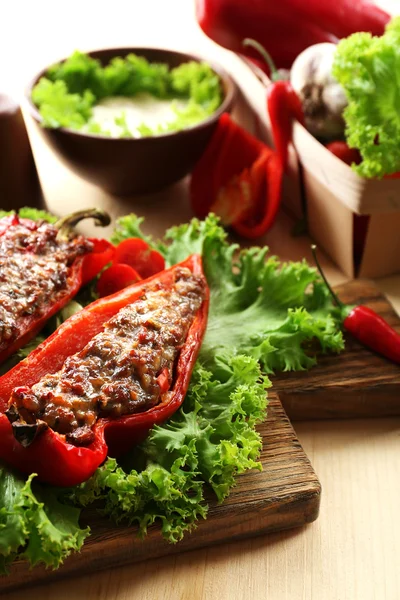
374 332
116 278
342 17
239 178
255 229
136 253
50 456
284 107
102 253
83 269
288 27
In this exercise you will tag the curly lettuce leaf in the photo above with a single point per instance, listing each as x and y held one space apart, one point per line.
80 72
368 69
199 82
34 524
211 439
135 74
279 313
129 226
60 108
34 214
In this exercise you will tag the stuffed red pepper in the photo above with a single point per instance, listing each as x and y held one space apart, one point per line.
105 377
42 266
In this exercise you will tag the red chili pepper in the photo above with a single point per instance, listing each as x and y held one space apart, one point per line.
49 455
239 178
283 105
136 253
116 278
287 27
24 251
365 325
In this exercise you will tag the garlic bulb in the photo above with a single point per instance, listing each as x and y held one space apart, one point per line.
322 97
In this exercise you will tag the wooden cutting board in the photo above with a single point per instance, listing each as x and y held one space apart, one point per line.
354 384
286 493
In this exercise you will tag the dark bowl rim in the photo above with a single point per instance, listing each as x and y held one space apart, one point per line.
230 90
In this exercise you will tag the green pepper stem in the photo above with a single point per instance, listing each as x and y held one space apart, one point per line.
66 225
266 56
320 271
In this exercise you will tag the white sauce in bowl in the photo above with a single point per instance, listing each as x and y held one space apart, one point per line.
141 109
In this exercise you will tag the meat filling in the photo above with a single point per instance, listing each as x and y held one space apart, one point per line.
118 372
34 270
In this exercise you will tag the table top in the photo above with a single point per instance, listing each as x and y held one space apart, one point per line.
352 551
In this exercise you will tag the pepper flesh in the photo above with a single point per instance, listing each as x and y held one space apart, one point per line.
49 455
287 27
37 279
239 178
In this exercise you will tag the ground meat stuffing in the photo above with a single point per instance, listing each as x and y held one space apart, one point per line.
116 373
34 270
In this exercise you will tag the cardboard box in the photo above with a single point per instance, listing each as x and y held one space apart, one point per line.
342 208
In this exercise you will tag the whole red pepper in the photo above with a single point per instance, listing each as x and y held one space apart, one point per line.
283 105
365 325
84 268
287 27
239 178
49 455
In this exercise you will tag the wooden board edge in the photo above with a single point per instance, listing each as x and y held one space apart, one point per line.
335 403
296 511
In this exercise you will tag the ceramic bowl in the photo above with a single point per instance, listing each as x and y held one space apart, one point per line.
127 166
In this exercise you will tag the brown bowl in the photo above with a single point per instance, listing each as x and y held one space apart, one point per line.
125 166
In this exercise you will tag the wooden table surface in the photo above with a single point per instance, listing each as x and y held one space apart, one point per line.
352 552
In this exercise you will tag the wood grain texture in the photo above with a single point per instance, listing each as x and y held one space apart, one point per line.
354 384
285 494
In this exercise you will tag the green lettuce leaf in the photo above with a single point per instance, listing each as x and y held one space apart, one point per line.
368 69
199 82
279 313
78 74
59 108
211 439
34 524
34 214
130 226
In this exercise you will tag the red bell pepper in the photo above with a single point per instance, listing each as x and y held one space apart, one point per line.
239 178
116 278
287 27
49 455
136 253
88 262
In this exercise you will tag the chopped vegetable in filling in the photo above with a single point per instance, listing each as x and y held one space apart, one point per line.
123 370
34 269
